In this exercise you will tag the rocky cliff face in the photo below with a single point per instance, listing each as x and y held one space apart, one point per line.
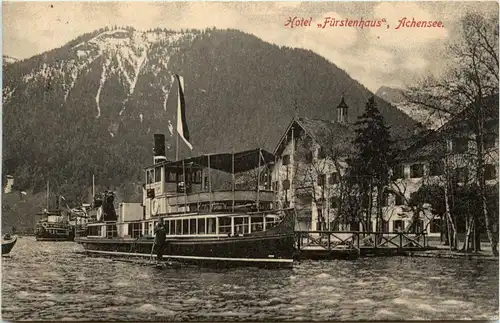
396 97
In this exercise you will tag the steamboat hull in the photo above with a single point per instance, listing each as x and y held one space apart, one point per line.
274 251
46 236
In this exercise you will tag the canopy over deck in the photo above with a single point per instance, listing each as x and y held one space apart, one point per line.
241 161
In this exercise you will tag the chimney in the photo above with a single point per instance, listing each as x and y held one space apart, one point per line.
159 148
342 109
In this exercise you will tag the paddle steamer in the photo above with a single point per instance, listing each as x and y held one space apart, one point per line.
222 227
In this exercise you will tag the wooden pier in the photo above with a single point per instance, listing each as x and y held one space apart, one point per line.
354 244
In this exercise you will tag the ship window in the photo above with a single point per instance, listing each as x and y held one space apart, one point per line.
149 178
167 226
270 222
241 225
224 225
185 226
211 226
197 177
170 176
192 226
257 224
111 231
134 230
178 227
201 226
94 231
157 174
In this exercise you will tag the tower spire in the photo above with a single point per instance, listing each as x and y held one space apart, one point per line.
342 109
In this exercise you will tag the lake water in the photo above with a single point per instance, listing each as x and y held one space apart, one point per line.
52 281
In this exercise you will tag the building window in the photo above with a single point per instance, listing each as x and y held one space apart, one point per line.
419 226
384 199
436 168
365 201
435 226
385 226
489 140
205 183
462 174
321 153
286 160
398 199
460 145
398 172
321 179
309 157
417 171
397 225
489 172
334 178
286 184
334 202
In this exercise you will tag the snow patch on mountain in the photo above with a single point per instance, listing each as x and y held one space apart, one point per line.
123 53
8 60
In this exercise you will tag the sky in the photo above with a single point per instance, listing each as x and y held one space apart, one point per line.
373 56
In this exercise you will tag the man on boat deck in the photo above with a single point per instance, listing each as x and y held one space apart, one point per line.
160 234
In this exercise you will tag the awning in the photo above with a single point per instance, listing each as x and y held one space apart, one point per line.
243 161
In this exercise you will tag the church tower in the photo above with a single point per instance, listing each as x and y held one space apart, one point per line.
342 111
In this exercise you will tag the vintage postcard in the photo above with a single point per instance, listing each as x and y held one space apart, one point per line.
250 161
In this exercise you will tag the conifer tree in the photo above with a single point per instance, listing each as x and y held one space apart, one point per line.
372 160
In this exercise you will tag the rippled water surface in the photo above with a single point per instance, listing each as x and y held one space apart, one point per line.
51 281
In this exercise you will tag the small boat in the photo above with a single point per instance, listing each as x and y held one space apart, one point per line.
205 226
8 243
53 226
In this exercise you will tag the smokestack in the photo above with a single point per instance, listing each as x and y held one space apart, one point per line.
159 147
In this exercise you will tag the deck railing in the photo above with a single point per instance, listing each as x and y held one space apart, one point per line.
330 240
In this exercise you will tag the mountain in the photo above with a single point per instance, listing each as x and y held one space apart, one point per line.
391 95
8 60
396 97
93 105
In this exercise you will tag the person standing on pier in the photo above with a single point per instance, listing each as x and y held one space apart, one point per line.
160 235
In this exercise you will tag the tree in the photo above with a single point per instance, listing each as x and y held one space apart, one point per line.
462 94
373 157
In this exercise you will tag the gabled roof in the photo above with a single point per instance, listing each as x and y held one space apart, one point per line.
433 144
326 133
463 122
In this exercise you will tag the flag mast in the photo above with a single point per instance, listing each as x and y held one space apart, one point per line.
182 129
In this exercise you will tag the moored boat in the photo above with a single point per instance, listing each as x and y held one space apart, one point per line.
53 226
236 227
8 243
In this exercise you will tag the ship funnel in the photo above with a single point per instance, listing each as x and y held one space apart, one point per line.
159 147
